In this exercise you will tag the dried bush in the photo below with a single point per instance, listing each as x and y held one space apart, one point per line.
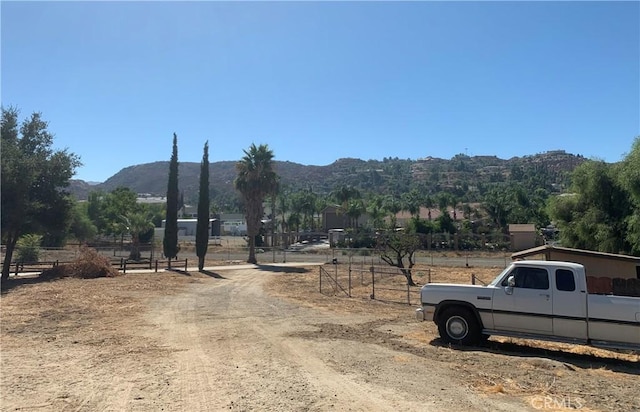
55 272
88 265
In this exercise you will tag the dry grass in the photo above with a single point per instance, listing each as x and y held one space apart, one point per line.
304 290
99 312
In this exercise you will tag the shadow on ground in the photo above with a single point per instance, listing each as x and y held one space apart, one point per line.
212 274
14 282
178 271
569 359
287 269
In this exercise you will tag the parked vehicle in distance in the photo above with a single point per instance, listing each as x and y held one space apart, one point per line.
545 300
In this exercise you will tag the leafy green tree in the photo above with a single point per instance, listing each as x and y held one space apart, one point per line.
34 177
170 241
302 204
81 227
497 206
595 216
255 181
28 248
121 201
294 220
445 223
202 229
629 178
95 209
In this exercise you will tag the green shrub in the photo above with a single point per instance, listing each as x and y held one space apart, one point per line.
28 248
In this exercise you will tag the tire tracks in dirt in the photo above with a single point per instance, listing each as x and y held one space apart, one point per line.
236 348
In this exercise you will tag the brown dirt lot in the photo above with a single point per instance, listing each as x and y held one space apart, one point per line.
266 339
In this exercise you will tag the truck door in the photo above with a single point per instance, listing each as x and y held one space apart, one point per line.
528 305
569 305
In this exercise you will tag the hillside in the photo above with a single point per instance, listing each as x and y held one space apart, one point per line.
391 175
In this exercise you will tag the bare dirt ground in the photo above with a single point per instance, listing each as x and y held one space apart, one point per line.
265 339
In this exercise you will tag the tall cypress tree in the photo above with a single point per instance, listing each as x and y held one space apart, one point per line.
170 241
202 228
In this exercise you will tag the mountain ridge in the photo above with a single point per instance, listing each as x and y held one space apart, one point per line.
390 175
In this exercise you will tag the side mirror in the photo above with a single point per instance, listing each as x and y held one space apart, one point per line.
511 283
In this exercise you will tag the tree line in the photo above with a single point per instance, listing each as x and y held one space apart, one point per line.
600 209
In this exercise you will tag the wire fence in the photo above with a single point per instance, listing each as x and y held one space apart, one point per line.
377 283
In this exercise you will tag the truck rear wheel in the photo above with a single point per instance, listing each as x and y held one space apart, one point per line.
458 325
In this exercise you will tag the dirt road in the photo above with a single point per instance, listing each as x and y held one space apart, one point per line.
240 349
231 341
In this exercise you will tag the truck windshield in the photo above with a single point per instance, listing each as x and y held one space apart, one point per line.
498 279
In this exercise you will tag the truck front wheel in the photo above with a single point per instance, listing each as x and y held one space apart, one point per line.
458 325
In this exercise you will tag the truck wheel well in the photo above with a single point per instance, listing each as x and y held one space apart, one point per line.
444 305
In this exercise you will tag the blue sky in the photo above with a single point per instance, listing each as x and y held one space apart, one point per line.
318 81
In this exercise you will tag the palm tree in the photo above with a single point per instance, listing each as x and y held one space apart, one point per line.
393 206
376 211
355 209
283 204
411 202
319 206
454 201
344 195
255 181
429 203
137 224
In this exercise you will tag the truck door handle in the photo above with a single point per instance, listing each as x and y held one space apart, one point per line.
545 295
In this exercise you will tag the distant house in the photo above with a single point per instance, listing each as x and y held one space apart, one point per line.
149 199
523 236
597 264
332 219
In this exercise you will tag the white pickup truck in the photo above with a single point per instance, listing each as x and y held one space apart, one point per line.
543 300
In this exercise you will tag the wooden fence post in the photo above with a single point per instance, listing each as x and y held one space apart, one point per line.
373 283
349 279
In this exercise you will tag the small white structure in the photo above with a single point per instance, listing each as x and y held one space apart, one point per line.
188 227
233 224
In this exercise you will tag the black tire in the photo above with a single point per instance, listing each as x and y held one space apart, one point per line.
459 326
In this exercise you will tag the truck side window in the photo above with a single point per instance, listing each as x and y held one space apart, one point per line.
565 280
529 278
